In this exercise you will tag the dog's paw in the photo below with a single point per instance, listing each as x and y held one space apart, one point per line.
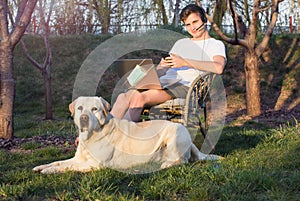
168 164
49 170
213 157
36 169
39 168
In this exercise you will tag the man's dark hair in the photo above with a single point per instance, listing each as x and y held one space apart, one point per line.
193 8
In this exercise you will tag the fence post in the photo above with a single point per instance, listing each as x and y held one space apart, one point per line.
291 24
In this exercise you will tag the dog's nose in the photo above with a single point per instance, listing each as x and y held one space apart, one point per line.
84 120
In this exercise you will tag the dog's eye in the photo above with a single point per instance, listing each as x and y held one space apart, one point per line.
94 109
80 108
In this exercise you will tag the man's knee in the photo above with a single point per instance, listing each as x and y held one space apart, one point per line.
138 100
121 96
123 99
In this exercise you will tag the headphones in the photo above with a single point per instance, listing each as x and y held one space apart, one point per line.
202 14
193 8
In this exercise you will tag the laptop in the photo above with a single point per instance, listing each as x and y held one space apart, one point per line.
123 66
142 74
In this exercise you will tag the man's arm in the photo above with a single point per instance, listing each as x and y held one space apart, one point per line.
215 66
175 61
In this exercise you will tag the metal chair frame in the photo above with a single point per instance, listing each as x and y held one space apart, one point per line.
182 110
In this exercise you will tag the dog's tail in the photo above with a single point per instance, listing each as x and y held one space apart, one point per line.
197 155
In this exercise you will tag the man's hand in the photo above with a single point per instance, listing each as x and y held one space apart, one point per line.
165 62
173 61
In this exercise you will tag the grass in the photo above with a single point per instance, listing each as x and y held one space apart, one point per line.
261 163
266 169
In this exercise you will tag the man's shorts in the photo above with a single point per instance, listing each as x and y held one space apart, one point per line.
177 90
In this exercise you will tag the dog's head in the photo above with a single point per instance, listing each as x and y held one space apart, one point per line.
90 114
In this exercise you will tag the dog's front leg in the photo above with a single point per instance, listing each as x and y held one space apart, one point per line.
67 165
58 166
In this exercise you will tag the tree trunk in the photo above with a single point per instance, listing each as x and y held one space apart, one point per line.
252 84
198 3
247 15
48 93
161 9
219 11
176 13
7 90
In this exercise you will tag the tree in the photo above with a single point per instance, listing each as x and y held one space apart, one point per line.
161 10
253 49
294 12
103 10
198 3
176 11
219 11
71 17
44 67
10 36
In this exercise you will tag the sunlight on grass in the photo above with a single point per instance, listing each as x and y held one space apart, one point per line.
28 128
267 169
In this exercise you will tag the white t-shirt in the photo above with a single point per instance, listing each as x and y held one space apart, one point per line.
202 50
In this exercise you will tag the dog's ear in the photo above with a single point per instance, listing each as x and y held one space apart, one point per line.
72 107
106 106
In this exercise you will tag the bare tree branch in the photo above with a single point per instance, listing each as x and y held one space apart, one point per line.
224 37
28 56
21 8
234 18
4 21
46 31
246 8
22 23
11 17
198 3
253 24
264 9
261 47
46 65
50 12
46 39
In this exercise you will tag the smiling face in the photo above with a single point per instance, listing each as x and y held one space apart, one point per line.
192 24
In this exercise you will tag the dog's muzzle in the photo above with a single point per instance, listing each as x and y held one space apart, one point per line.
84 121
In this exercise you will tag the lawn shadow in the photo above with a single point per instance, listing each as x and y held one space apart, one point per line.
243 132
280 74
235 138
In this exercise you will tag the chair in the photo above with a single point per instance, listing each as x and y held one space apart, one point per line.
191 111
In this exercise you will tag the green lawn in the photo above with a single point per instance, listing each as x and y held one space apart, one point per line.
259 164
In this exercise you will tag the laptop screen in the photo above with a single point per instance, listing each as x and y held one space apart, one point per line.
123 66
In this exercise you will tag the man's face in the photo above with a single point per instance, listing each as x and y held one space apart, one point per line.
192 22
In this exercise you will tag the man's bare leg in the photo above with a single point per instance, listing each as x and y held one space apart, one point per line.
134 99
122 104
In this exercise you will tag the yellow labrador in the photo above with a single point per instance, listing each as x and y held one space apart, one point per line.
105 141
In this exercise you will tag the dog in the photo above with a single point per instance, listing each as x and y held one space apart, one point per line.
105 141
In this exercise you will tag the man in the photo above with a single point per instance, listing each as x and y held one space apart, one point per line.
188 58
